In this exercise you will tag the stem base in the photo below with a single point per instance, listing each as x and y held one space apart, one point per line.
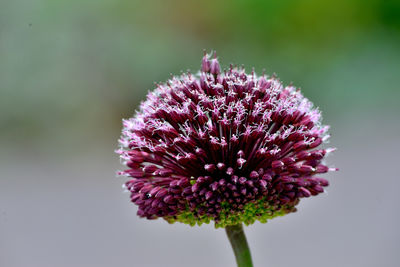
239 244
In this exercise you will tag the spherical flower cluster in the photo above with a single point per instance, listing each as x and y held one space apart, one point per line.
227 147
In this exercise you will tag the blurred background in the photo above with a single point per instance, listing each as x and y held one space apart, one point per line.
71 70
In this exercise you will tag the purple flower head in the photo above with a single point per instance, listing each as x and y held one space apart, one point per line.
224 146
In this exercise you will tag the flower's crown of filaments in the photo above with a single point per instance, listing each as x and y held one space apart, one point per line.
227 147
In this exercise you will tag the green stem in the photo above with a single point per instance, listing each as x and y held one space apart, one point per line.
239 245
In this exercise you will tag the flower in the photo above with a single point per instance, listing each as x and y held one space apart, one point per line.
227 147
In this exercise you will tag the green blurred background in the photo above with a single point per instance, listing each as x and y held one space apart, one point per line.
71 70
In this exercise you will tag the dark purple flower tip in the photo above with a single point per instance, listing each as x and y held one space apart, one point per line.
205 64
224 146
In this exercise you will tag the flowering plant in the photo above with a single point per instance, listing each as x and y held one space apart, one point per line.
226 147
